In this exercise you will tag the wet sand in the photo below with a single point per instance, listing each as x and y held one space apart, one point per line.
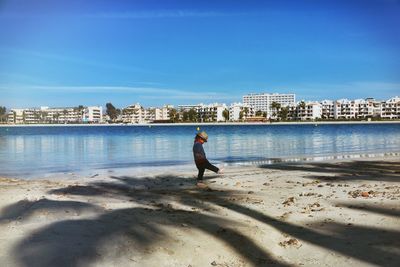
332 213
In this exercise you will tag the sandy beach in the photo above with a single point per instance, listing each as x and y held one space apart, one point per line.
331 213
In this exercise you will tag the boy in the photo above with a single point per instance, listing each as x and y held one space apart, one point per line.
200 158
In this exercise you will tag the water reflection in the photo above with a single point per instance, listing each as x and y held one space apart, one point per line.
30 150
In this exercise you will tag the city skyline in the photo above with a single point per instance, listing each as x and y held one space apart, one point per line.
161 105
66 53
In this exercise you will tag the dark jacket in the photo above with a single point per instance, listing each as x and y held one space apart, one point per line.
199 154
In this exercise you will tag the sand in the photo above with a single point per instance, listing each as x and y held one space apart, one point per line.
333 213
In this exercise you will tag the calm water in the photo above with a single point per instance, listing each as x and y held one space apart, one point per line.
28 151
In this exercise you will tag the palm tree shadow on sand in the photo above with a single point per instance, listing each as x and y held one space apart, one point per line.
78 242
367 170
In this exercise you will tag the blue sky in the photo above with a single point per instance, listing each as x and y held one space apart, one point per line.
68 53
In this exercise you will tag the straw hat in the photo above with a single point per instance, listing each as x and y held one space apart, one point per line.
203 135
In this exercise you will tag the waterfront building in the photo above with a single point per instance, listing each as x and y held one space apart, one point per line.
364 108
197 107
206 112
240 111
93 114
162 114
15 116
263 101
62 115
212 112
344 109
390 109
327 109
135 114
357 109
46 115
309 110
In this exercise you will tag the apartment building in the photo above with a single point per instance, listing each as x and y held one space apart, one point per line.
93 114
240 111
162 114
360 108
206 112
212 112
15 116
62 115
46 115
183 108
263 101
327 109
365 108
390 109
308 110
136 114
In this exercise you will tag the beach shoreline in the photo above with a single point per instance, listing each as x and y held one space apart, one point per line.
332 213
187 167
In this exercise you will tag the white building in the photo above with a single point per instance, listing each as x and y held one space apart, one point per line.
189 107
212 112
357 109
15 116
45 115
135 114
263 101
239 111
93 114
309 111
364 108
62 115
343 109
327 109
390 109
206 112
162 114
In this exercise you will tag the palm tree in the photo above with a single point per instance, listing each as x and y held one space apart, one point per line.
2 114
213 116
38 116
185 116
172 114
225 113
245 112
111 112
56 117
65 112
275 108
43 117
192 114
79 110
283 113
205 117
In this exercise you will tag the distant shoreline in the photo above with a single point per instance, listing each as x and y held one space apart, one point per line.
205 123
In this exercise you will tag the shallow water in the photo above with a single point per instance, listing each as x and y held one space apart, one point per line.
35 150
